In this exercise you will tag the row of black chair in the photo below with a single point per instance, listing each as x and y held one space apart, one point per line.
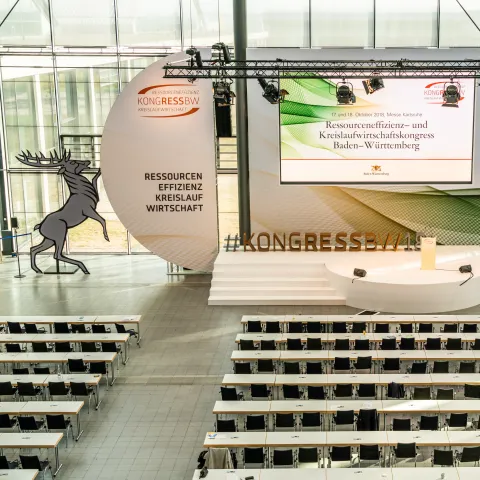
282 458
63 347
63 327
256 326
27 462
405 343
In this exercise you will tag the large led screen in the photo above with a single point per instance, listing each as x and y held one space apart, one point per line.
401 133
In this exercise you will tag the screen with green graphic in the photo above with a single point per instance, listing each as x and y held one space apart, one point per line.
401 133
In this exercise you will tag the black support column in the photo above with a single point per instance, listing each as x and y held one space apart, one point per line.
240 42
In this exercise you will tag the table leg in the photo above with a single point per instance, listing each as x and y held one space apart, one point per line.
139 335
113 374
79 431
58 465
97 400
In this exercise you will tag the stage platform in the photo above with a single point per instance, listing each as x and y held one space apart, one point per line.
394 281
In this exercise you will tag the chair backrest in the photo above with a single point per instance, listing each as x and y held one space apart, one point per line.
27 423
382 328
272 327
367 420
291 391
450 328
242 368
254 326
314 344
282 458
14 327
441 366
120 328
314 368
388 344
343 390
99 328
369 452
226 426
30 462
4 465
316 392
419 367
284 420
265 365
20 371
425 328
362 344
98 367
401 425
367 390
108 347
26 388
391 365
259 390
454 344
291 368
472 391
314 327
470 454
13 347
39 347
56 422
470 328
339 327
466 367
295 327
433 344
359 327
5 420
429 422
247 345
406 450
81 328
421 393
363 363
407 343
79 389
6 388
31 328
63 347
341 454
443 457
76 365
311 419
445 394
406 328
294 344
228 393
61 327
476 344
41 370
267 345
458 420
57 388
255 422
253 455
342 344
88 346
341 363
307 455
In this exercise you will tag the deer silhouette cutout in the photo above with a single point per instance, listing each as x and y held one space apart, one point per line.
81 204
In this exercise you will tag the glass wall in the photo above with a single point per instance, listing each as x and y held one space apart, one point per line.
64 62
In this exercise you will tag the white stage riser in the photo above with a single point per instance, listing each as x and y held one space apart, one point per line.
314 270
261 291
258 282
293 301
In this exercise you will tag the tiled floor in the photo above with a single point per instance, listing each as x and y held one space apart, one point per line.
152 422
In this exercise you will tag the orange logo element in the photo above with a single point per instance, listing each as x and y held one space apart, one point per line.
376 168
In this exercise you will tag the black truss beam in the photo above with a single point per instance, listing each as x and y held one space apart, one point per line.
327 69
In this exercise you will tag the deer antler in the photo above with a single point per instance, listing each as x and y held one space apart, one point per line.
42 161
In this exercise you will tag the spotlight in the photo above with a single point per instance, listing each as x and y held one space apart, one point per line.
223 94
451 94
223 51
358 273
344 94
373 84
271 92
195 57
465 269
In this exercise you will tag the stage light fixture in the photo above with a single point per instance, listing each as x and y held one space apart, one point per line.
358 273
465 269
451 94
271 92
223 52
344 93
222 92
195 57
373 84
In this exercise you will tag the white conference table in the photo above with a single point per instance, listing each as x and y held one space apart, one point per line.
18 474
33 440
271 474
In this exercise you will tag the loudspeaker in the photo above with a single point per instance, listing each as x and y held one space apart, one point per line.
465 269
223 119
14 222
359 272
